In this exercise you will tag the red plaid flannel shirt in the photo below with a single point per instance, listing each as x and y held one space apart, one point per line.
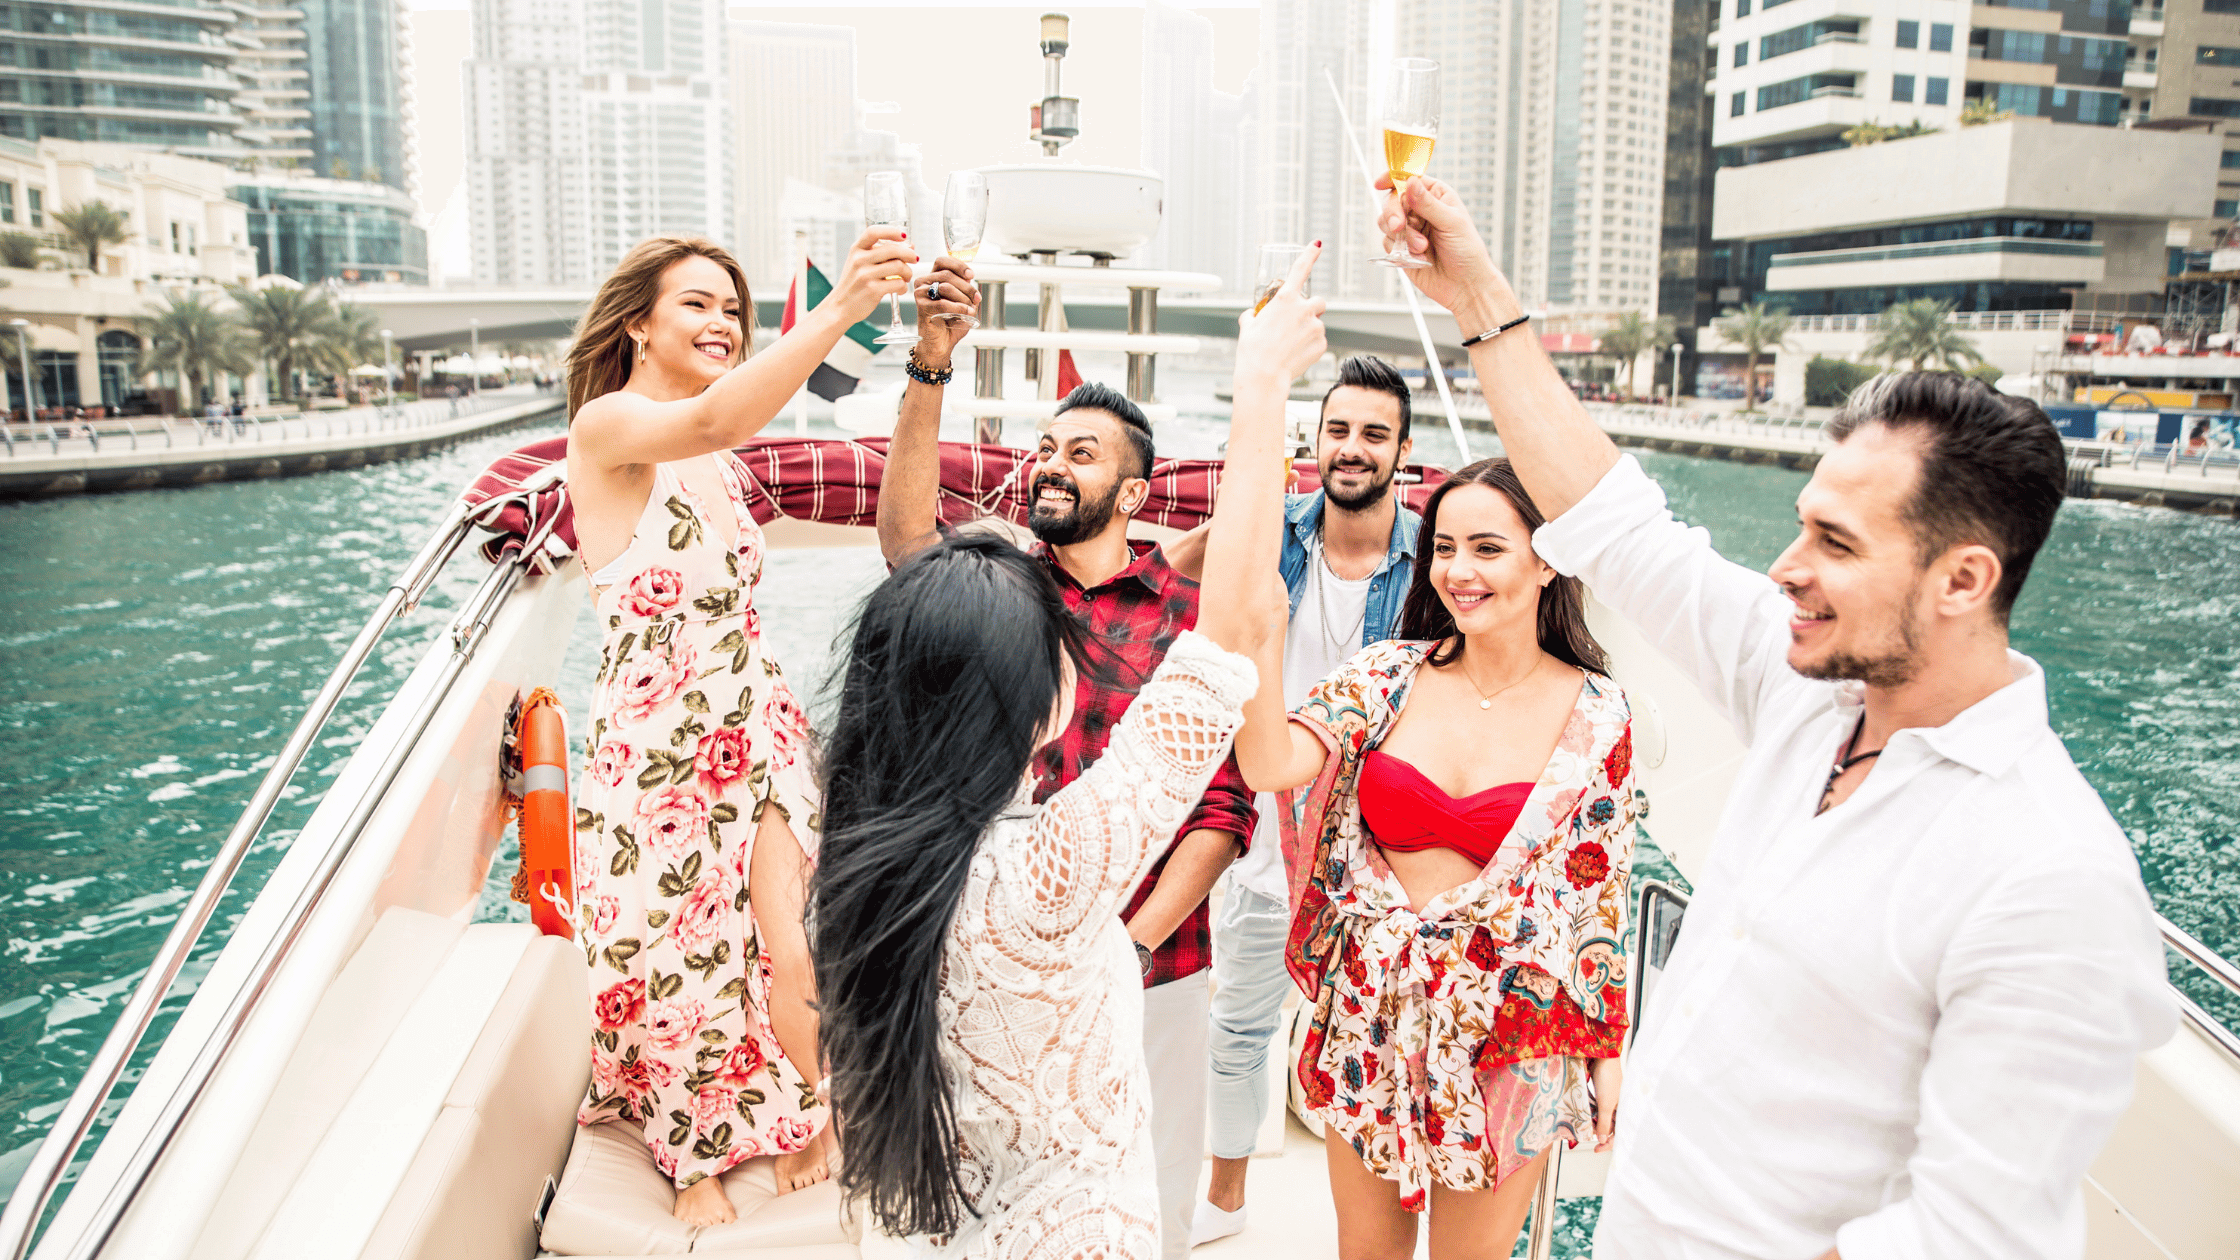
1132 618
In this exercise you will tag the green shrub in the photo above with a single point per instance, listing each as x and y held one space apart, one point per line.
1827 382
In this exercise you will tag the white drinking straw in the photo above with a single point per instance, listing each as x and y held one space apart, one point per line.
1415 305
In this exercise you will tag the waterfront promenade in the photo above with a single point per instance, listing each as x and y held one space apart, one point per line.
2142 473
38 461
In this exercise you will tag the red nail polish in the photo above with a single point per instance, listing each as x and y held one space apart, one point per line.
1318 244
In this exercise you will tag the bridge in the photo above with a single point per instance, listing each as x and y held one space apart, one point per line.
446 320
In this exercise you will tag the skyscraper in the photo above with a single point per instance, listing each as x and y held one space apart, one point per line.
526 159
796 88
360 97
1552 133
593 125
1190 139
162 80
1309 184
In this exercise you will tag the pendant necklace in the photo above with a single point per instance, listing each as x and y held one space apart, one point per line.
1339 641
1844 762
1485 701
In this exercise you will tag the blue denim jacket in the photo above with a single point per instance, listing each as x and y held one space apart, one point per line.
1388 586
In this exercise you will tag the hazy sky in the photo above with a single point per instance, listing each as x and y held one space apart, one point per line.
961 79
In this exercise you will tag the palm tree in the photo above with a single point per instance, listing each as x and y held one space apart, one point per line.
89 226
288 324
351 336
1919 333
1757 328
189 336
1631 335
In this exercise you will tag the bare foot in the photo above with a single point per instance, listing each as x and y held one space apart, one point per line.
703 1203
803 1168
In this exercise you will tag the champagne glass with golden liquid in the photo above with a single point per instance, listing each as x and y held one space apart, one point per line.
886 203
1411 128
964 219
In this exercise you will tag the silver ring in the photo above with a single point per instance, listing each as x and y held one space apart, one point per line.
933 291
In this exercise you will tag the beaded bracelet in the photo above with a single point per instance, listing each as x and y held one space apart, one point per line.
924 375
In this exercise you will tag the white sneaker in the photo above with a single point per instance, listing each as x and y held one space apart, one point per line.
1210 1223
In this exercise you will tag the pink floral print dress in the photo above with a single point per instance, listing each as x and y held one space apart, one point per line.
694 733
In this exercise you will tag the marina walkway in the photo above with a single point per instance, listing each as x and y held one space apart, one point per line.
37 461
2149 475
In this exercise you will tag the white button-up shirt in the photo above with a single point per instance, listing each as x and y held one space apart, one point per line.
1902 1028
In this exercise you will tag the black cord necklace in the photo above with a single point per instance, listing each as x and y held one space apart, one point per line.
1844 762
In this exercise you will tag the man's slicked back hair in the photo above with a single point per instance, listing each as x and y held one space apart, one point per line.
1096 396
1993 470
1367 371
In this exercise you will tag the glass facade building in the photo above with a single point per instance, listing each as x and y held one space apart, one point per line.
161 79
349 231
358 100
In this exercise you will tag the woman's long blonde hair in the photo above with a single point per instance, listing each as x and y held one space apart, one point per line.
599 361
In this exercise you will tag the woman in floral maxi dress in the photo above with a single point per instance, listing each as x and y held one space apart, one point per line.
697 817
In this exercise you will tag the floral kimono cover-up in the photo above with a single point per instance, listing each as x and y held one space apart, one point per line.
1451 1045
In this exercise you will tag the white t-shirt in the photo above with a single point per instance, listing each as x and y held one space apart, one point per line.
1325 632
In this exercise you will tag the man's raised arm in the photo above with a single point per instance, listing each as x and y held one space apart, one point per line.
1559 452
910 488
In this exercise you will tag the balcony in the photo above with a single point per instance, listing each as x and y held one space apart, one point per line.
2138 78
1940 262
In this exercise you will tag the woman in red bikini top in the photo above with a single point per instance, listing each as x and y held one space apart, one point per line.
1459 881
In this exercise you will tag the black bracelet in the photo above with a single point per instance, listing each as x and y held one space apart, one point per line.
924 375
1490 335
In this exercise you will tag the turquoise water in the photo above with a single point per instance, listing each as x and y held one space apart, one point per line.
155 648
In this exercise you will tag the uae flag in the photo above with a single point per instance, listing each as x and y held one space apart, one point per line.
850 357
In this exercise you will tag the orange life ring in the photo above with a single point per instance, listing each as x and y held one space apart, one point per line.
547 823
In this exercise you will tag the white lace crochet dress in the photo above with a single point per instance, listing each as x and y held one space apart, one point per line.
1041 998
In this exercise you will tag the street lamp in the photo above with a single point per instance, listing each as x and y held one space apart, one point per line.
23 360
1676 349
474 356
388 367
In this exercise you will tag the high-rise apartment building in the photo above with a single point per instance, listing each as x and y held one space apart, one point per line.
274 97
1910 149
591 126
1190 138
796 85
357 59
1553 132
2182 69
525 156
1310 186
158 77
1687 284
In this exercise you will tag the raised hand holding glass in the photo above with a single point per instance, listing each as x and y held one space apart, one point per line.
886 203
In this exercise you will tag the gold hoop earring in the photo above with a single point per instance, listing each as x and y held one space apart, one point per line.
641 351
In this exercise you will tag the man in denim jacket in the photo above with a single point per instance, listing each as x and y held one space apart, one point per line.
1348 554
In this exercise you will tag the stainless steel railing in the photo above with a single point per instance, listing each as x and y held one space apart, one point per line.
2212 964
19 1222
50 438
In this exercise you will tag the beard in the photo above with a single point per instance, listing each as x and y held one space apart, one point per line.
1380 484
1065 526
1895 667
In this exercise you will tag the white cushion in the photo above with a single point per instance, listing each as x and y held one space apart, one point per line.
612 1201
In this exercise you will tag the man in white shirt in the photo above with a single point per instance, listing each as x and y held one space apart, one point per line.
1348 556
1903 1012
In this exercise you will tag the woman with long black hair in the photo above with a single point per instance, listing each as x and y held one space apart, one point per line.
1459 876
981 1001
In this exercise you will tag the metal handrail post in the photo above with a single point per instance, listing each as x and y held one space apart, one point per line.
1541 1240
43 1174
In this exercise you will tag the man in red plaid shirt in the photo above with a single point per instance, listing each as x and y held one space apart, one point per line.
1091 475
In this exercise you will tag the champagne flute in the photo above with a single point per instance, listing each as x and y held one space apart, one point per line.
1275 267
964 219
1276 262
886 203
1411 128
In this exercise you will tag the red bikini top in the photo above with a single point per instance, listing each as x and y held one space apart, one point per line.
1408 812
